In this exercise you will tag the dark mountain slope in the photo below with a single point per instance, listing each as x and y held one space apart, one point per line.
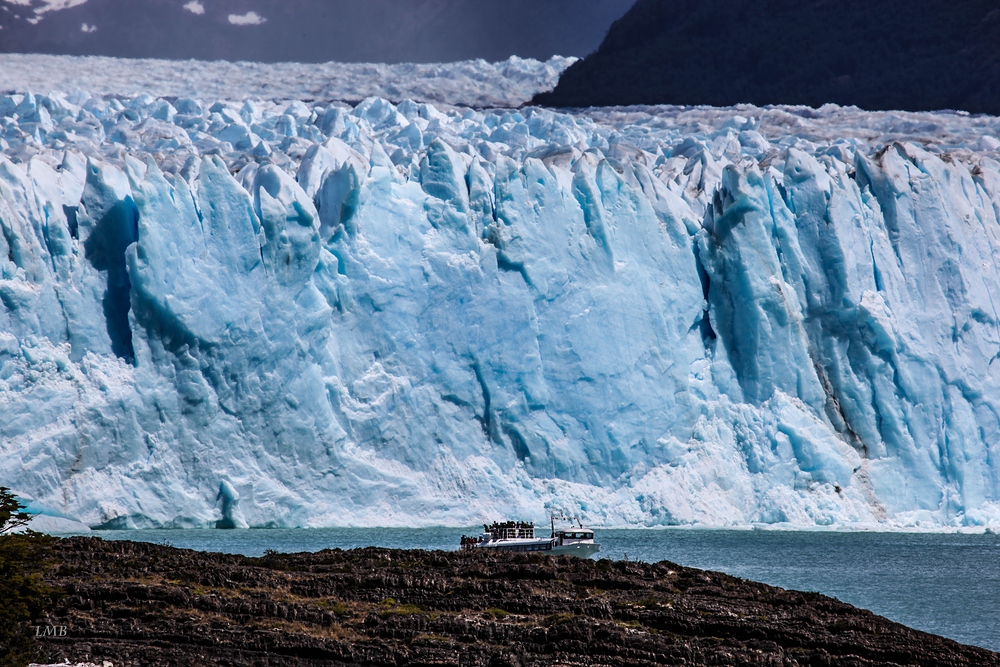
311 30
889 54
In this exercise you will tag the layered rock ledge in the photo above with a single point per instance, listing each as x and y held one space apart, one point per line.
146 604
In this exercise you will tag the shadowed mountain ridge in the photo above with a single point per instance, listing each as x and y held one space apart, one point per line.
915 55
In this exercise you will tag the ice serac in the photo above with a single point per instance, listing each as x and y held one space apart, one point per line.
398 314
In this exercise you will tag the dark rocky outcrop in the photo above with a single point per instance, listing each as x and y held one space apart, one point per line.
144 604
914 55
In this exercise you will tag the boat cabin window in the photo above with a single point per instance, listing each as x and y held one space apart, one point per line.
578 535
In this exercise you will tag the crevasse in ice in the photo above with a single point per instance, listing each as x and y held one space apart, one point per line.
302 315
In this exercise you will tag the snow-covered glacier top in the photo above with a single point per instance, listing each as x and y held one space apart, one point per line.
471 83
278 312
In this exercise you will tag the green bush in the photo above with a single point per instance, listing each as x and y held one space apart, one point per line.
23 596
12 514
558 619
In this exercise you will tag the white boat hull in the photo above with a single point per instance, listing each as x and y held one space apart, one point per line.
579 549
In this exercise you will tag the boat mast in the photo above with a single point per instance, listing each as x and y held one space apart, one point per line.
552 518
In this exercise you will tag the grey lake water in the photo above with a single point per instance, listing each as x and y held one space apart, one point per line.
947 584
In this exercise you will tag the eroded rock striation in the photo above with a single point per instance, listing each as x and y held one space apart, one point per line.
145 604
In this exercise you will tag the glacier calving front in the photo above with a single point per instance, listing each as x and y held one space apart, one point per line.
398 314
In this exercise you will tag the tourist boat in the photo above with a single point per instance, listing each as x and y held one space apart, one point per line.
520 536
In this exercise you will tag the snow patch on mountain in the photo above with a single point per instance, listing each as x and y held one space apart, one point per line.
45 6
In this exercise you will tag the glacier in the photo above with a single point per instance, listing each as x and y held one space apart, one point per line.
283 312
474 83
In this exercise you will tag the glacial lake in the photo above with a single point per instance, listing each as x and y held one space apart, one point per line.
946 584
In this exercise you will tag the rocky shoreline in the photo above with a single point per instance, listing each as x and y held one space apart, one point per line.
144 604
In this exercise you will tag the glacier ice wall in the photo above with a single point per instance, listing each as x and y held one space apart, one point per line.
301 315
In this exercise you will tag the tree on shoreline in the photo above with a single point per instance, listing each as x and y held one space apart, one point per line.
23 596
12 514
